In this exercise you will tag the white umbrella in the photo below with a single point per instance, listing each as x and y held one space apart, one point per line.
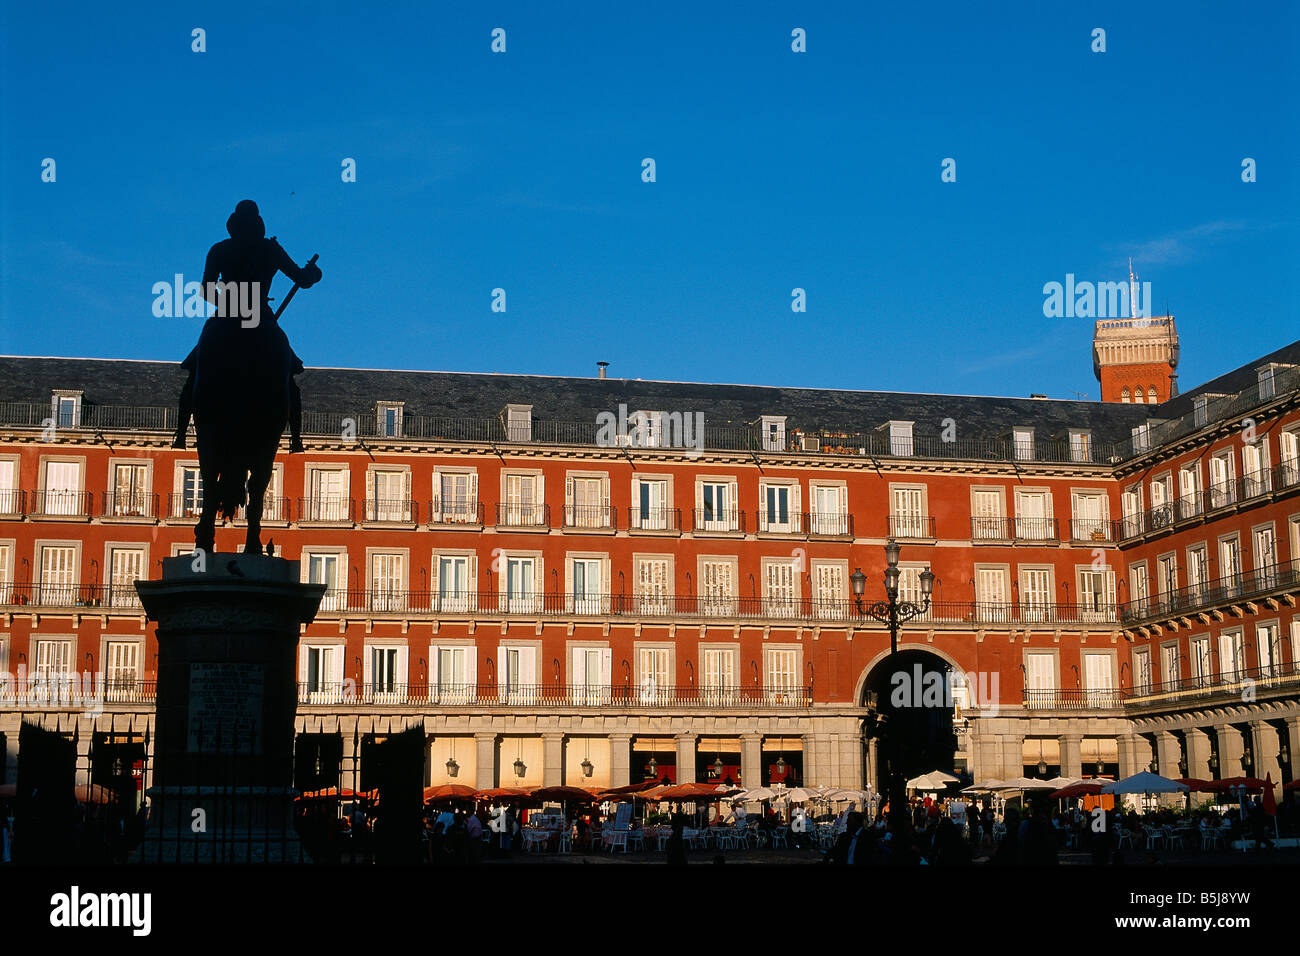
758 794
1027 783
1145 782
988 786
1060 783
801 795
841 796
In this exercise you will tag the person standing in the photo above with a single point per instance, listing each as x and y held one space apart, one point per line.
474 838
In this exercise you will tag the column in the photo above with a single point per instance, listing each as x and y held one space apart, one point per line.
1230 750
1131 759
1198 753
873 768
1167 754
1266 742
1072 755
1013 755
1293 741
686 758
349 765
485 759
552 759
751 760
620 760
812 773
83 755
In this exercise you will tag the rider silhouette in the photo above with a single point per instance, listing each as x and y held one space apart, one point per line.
248 257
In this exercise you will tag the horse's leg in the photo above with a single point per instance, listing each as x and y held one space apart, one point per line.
205 532
258 479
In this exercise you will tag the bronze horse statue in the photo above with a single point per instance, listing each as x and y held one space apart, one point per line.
241 375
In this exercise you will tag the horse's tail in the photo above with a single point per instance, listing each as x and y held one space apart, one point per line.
231 493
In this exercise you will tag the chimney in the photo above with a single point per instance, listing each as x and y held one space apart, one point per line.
600 369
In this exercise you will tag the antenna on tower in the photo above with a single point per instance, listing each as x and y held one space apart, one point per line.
1132 290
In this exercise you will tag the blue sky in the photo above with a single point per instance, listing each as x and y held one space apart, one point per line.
775 170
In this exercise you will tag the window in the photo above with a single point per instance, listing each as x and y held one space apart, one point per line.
1161 506
122 670
1142 670
1032 521
188 500
517 675
386 677
1200 661
61 488
588 586
715 506
1255 476
654 585
129 490
1268 641
389 498
58 584
651 510
1152 398
1089 523
455 582
126 566
66 408
900 438
518 422
1167 579
456 497
1035 594
520 580
1170 666
1198 571
773 428
779 510
1141 438
329 497
718 669
1189 490
589 676
908 517
1289 442
586 502
988 518
523 501
390 419
782 674
1139 396
1232 656
1200 411
1131 505
1040 672
10 496
780 588
322 669
909 586
1221 480
1080 445
1266 382
387 581
1137 580
1230 564
1265 557
1097 595
654 676
829 591
718 587
1098 679
830 510
53 661
993 603
1023 441
453 674
6 577
323 568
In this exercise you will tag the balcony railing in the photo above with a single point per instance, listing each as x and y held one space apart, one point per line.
911 526
13 502
1092 529
331 509
552 695
49 502
781 522
1220 591
1227 682
1075 699
48 594
274 509
394 510
654 519
455 510
128 504
661 605
523 514
830 524
69 689
589 516
725 519
1013 529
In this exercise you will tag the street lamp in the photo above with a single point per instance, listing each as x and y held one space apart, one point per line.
892 613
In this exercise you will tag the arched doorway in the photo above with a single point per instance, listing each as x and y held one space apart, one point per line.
909 703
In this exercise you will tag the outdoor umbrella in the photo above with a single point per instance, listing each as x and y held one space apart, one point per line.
988 786
505 794
801 795
449 791
1293 785
1062 782
1197 784
1145 782
1250 784
1081 789
696 791
562 795
1025 783
756 795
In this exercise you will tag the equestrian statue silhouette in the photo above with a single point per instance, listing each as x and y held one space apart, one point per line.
240 389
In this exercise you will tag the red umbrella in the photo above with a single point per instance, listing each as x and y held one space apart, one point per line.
562 794
449 791
1293 785
1076 790
505 794
1251 784
1197 784
693 791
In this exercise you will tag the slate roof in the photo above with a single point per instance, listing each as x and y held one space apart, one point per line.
556 398
1229 383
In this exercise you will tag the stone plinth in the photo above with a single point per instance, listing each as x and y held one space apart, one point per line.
227 694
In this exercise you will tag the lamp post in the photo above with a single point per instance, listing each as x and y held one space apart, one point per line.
892 613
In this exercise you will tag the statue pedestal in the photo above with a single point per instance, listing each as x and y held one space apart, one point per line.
222 773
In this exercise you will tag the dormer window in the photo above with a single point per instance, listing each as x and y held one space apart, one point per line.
1142 438
900 438
1201 411
390 419
518 420
1022 440
66 408
1267 381
1080 444
773 431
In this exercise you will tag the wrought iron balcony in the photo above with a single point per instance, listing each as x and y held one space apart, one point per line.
51 503
327 509
73 596
781 522
513 695
1152 695
724 519
1013 529
128 504
1058 698
523 514
67 690
911 526
596 517
654 519
455 510
390 510
1219 592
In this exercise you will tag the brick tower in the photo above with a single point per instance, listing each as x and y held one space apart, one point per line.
1135 359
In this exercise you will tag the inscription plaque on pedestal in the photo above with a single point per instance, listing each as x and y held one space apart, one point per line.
226 707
